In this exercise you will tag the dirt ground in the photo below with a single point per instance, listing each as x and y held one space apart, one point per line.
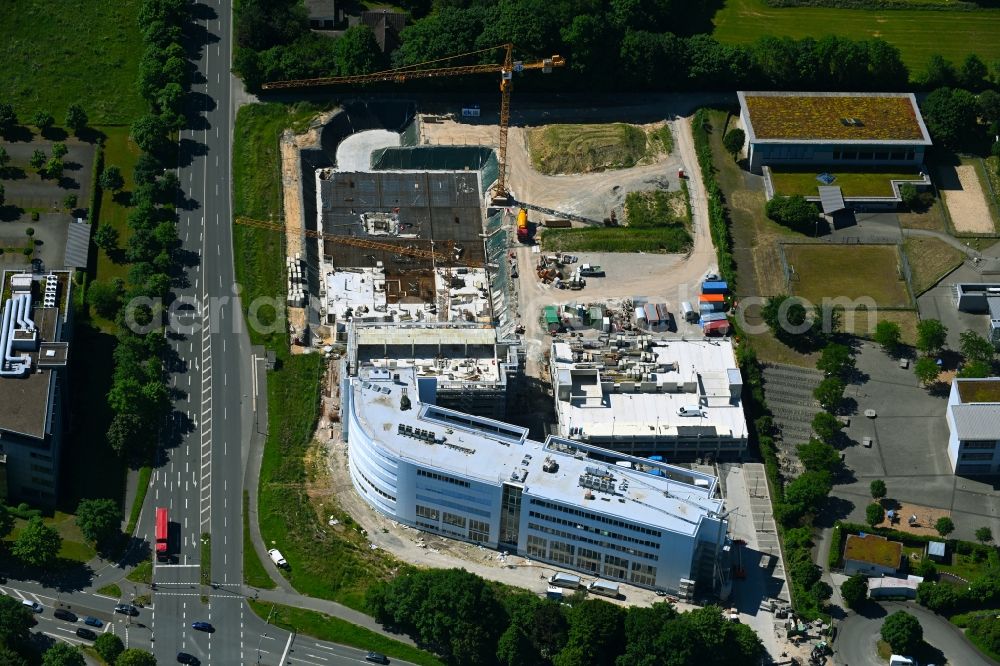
926 517
966 201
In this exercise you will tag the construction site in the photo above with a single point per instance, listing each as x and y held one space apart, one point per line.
413 250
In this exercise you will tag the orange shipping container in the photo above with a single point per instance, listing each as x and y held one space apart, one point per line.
712 298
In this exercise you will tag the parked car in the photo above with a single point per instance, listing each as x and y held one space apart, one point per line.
377 658
185 658
126 609
93 621
33 605
86 633
277 557
64 614
203 626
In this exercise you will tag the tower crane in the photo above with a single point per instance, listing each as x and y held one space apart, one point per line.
425 70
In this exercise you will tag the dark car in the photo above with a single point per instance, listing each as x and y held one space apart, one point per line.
377 658
203 626
64 614
127 609
93 621
86 633
185 658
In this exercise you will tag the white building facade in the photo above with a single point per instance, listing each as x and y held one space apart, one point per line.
973 416
562 502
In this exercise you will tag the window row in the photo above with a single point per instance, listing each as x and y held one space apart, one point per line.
442 477
594 542
593 530
376 488
595 517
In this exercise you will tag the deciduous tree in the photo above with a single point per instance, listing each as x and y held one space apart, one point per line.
733 141
8 119
931 335
37 544
854 591
927 370
984 534
76 118
887 335
106 237
902 632
877 489
830 393
874 514
951 115
944 526
975 347
98 519
111 179
818 456
59 149
37 160
835 360
826 426
63 654
135 657
42 120
109 646
793 212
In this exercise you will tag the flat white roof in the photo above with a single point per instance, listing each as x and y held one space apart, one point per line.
706 369
493 452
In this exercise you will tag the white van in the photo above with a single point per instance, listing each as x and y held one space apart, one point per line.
277 557
690 410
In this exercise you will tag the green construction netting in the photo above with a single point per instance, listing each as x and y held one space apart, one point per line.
438 158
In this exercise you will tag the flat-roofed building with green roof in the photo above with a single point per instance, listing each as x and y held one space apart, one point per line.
872 555
974 423
833 129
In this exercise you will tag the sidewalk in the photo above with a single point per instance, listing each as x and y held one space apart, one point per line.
332 608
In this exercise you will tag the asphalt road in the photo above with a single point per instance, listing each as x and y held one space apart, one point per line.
200 476
858 636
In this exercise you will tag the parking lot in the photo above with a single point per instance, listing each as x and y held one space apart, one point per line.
909 449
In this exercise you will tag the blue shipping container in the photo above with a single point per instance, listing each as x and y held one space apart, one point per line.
713 316
712 307
714 287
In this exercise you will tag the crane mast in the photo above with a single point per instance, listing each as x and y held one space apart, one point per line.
423 71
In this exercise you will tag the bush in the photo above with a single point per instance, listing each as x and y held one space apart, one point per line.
874 514
944 526
793 212
837 537
34 216
926 569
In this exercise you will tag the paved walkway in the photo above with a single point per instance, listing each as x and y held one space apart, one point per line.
950 240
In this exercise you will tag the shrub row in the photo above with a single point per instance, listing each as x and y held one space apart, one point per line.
718 219
958 5
95 187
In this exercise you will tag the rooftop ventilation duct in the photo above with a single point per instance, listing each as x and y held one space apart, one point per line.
15 318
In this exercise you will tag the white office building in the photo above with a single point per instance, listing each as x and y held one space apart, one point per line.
564 502
645 395
974 424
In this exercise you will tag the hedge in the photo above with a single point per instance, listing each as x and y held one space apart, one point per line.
718 220
837 537
95 186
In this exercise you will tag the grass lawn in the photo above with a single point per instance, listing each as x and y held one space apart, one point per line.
616 239
143 573
907 320
74 546
932 219
586 148
930 260
918 34
142 486
327 628
259 254
60 53
111 590
992 184
254 573
964 566
328 563
120 152
847 271
853 183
